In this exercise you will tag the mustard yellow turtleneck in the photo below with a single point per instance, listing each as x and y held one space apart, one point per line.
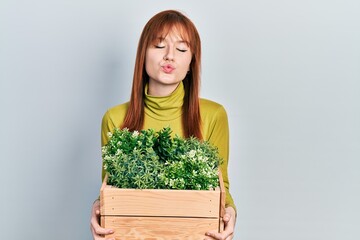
166 111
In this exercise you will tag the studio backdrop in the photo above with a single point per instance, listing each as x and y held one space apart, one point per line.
287 72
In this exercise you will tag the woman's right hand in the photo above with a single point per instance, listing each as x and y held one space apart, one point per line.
97 231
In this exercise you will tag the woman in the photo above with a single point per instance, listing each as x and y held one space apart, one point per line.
165 92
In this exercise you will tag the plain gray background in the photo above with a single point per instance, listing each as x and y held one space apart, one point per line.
287 72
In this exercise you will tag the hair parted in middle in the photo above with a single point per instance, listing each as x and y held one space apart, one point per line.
159 26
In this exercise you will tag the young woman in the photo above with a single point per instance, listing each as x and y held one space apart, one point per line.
165 92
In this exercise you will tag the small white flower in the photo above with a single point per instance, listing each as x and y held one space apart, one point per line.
172 182
118 152
103 150
192 153
135 134
109 134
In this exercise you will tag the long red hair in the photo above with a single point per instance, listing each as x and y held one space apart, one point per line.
160 25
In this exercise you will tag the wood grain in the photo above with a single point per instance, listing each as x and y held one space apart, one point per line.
135 202
159 202
154 228
154 214
222 195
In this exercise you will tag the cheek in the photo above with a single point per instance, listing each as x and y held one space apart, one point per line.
185 68
187 62
146 63
150 62
153 58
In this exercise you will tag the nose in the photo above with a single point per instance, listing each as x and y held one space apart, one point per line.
169 55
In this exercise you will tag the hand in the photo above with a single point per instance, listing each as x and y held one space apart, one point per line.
97 231
228 233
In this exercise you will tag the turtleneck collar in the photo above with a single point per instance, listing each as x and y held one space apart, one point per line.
167 107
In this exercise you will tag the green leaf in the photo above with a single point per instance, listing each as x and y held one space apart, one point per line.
149 159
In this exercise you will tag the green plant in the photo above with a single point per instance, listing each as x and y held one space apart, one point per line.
155 160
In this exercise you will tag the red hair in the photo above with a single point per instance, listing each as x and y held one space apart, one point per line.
160 25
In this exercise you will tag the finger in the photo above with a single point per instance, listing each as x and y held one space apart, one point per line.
225 235
213 235
99 230
216 236
209 237
226 217
230 237
99 237
96 236
102 231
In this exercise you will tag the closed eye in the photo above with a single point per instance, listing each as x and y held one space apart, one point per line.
181 50
157 46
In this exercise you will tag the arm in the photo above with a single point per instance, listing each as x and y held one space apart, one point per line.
219 136
107 125
97 231
229 221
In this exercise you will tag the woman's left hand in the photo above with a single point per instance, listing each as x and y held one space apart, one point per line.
229 222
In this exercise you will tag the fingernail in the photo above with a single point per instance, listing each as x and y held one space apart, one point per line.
111 231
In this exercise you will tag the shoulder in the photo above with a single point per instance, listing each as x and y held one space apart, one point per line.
210 107
116 114
120 108
214 121
212 114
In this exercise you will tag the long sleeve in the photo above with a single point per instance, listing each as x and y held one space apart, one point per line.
107 126
112 118
217 133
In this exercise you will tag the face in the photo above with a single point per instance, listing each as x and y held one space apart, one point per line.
167 63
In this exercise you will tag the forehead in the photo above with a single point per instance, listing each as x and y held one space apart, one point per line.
176 31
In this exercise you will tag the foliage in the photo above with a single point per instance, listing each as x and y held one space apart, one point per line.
155 160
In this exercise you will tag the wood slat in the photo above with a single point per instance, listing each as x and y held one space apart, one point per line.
158 202
154 228
222 194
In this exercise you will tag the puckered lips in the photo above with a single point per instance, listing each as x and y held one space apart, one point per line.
168 68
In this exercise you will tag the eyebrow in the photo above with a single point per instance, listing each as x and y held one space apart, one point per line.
183 41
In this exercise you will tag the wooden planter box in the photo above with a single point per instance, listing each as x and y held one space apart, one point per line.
161 214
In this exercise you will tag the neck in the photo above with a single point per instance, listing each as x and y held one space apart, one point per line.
161 90
164 108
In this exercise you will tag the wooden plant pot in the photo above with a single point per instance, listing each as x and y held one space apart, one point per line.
155 214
